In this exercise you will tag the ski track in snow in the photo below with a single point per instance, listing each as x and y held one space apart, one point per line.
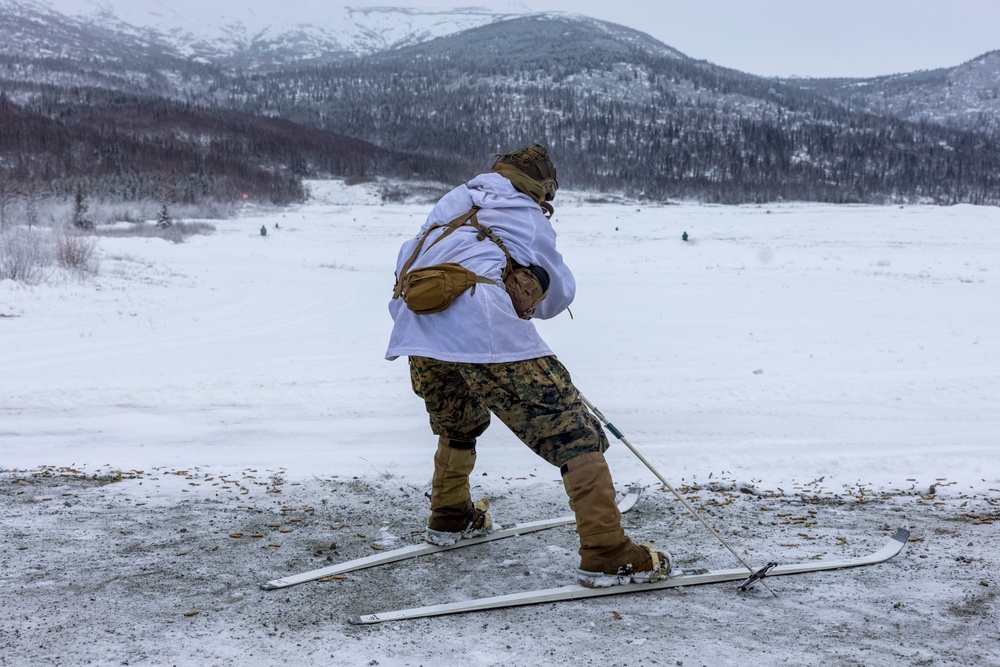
810 376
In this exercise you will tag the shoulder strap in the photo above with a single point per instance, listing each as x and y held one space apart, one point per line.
450 227
491 235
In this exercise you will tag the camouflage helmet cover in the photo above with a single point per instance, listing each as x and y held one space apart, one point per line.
534 163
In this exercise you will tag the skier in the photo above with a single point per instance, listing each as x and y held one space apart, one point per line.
483 263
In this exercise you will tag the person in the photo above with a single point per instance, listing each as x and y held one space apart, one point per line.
473 351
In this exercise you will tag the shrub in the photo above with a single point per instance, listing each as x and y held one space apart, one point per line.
24 255
77 252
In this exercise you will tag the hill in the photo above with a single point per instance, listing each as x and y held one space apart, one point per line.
620 111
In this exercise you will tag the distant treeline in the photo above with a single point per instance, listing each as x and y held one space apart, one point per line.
128 147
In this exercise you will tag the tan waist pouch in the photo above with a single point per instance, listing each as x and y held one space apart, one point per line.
431 289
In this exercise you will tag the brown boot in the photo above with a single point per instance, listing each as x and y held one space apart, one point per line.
607 555
453 516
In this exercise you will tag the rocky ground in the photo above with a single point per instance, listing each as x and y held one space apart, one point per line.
162 567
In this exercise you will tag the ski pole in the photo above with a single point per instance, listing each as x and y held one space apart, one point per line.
687 505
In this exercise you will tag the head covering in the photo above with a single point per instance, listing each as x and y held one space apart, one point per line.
530 171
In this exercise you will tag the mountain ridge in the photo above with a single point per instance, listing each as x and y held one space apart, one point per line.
967 95
268 37
623 111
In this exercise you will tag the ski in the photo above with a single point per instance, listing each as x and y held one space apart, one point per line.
684 578
425 548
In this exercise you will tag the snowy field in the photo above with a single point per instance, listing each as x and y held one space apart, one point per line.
810 376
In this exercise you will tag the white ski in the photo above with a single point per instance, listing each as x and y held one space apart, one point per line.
685 578
423 549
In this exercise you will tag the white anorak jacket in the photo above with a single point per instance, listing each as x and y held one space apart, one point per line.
481 326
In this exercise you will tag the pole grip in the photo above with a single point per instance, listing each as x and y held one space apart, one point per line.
614 431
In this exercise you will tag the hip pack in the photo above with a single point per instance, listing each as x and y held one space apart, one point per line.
431 289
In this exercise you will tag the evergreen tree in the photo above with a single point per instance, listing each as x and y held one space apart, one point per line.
80 208
163 220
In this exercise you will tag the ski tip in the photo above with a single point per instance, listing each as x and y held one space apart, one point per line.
902 535
270 586
368 619
632 495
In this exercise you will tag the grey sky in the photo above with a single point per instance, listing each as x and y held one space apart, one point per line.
765 37
809 38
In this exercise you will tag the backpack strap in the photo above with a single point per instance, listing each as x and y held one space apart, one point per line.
486 232
449 228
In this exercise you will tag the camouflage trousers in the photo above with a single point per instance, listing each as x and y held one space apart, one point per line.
535 398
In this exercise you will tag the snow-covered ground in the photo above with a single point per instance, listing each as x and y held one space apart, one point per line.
811 376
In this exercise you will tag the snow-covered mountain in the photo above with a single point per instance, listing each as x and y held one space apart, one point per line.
258 33
964 96
424 96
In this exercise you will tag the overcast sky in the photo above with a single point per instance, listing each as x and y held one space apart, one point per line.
854 38
808 37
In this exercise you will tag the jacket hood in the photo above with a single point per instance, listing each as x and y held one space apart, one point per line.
494 191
